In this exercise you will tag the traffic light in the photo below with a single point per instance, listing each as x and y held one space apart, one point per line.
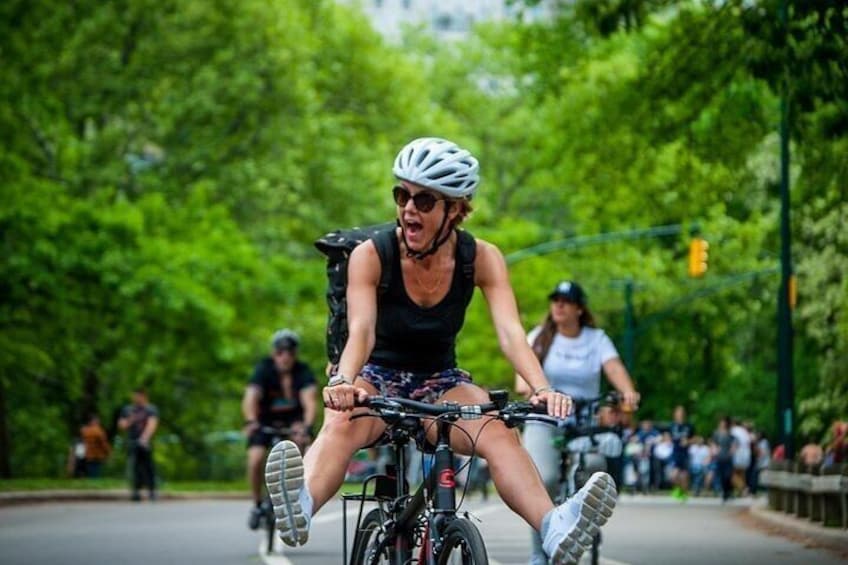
793 292
698 257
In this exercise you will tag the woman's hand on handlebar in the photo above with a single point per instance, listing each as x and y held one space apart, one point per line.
342 397
559 405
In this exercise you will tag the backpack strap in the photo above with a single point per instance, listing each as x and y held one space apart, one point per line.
384 241
467 253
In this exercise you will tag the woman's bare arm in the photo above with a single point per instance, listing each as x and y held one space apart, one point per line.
492 278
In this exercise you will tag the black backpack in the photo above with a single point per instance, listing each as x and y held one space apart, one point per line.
338 245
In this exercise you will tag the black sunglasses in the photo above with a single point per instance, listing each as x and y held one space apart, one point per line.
423 201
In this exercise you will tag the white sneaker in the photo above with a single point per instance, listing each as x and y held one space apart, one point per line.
284 479
574 523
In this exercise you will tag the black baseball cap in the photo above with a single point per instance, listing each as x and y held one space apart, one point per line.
570 291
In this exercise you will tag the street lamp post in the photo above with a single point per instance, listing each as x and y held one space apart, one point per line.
629 327
785 388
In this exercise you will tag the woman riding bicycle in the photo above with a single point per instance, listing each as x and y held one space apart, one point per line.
402 343
573 353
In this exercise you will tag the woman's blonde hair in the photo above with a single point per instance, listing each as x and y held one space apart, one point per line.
465 209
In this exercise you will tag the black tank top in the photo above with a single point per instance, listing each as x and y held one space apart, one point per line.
416 339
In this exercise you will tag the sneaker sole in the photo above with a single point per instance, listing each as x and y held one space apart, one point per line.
596 510
284 479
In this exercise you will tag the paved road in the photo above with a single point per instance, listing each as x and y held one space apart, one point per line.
643 531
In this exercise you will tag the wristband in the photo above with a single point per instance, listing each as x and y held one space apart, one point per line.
545 388
338 379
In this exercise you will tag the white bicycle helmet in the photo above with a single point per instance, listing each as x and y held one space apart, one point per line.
440 165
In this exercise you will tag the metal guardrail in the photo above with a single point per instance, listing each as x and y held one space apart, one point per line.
818 493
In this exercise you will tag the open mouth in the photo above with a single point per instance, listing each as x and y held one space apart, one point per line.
413 229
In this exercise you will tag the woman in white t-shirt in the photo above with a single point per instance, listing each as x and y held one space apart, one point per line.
573 353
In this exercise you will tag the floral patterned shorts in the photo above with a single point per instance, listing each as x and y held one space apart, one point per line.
414 386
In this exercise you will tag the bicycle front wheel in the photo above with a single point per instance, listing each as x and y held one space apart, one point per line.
463 545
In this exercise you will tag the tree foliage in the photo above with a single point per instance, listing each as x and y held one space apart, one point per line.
167 165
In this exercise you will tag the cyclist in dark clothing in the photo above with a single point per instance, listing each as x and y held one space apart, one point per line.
402 343
280 394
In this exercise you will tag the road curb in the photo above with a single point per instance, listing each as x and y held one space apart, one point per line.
116 495
787 525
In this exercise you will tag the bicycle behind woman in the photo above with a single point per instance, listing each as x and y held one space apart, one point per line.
573 353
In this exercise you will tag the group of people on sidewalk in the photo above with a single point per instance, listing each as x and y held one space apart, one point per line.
727 462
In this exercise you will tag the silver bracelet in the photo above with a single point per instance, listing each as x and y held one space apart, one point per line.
545 388
338 379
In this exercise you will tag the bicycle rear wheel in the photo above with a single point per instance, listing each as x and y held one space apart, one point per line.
369 547
463 545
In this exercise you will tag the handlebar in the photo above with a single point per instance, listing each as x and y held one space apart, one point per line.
510 412
609 399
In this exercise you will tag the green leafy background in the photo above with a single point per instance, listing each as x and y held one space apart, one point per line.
166 165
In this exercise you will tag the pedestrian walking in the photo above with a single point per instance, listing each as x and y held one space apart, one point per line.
97 448
140 420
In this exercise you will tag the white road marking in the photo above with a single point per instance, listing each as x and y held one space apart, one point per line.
275 558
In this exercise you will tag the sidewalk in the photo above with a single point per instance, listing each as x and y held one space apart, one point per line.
118 495
800 529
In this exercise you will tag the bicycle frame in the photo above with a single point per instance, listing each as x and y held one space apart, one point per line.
427 517
438 488
572 462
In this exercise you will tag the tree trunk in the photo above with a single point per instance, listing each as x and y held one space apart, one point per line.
90 392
